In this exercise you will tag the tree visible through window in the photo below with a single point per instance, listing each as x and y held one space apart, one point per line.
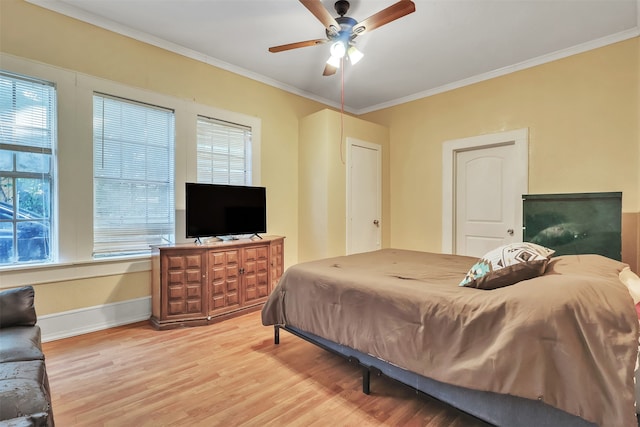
27 139
133 146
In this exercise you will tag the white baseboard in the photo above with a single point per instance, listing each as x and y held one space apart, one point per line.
82 321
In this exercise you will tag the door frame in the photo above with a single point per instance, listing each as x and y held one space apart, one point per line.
519 138
373 146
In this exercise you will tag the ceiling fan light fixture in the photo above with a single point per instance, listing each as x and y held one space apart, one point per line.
334 61
354 55
342 31
338 50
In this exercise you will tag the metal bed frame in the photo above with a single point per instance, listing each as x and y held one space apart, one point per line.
494 408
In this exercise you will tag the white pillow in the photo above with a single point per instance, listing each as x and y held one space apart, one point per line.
632 281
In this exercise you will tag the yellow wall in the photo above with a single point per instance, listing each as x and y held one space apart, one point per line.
35 33
635 221
64 296
313 186
582 114
91 50
322 181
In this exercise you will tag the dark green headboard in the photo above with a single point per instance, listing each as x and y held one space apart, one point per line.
575 223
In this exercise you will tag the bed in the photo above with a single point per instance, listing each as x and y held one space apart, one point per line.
557 349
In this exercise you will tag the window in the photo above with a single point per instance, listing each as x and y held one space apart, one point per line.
223 153
133 146
27 141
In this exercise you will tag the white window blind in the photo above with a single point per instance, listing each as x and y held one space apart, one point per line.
133 146
223 152
27 141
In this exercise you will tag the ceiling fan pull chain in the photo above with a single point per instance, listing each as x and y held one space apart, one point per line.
341 109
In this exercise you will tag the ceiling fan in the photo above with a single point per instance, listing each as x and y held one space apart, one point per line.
342 31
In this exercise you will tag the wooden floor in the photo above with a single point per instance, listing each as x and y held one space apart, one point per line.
230 374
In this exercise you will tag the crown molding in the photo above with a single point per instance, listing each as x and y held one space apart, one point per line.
73 12
81 15
554 56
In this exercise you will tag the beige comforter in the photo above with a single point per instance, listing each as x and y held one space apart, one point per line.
568 338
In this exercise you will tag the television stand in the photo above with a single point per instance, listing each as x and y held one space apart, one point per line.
195 285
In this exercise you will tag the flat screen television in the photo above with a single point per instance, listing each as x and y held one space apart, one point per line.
214 210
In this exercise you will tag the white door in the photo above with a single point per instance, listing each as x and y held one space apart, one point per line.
482 195
364 196
485 200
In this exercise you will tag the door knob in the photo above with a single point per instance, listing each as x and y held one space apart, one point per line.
376 222
510 232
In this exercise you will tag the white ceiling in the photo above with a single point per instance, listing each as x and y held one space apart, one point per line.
442 45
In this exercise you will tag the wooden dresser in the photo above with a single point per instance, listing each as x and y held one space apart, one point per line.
193 285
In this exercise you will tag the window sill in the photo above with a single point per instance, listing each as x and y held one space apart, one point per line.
22 275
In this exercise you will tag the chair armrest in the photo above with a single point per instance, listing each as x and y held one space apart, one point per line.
16 307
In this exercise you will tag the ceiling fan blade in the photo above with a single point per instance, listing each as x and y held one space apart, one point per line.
323 15
296 45
329 70
391 13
